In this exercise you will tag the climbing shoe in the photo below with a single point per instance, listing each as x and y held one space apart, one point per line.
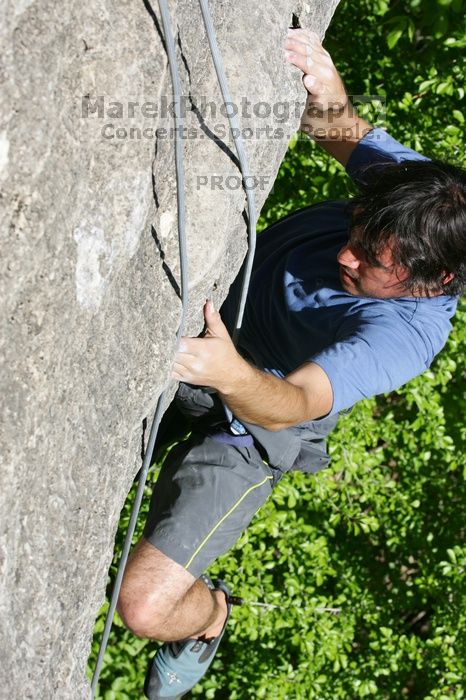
178 666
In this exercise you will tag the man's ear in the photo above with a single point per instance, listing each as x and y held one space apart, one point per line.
448 278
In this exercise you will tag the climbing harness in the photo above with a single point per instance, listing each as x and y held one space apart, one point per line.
180 186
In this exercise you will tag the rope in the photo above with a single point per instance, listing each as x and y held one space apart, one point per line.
252 216
240 150
180 183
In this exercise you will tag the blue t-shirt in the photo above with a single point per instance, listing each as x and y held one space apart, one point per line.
298 311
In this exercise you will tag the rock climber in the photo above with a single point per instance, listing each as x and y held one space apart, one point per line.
348 299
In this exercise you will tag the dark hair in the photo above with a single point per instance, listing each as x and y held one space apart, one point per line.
419 208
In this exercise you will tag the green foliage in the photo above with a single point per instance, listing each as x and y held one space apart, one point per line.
365 562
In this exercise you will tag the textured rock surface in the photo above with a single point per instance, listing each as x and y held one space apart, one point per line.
88 240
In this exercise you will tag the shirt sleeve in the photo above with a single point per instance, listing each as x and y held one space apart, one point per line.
377 146
377 356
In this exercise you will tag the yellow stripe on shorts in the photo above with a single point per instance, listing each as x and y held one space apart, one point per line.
207 538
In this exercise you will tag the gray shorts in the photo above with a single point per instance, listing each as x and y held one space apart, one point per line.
211 485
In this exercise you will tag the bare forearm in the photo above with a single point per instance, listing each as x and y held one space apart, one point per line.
260 398
338 132
252 395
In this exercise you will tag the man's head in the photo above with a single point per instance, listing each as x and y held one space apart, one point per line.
408 232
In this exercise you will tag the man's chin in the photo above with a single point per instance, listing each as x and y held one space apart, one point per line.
352 287
348 283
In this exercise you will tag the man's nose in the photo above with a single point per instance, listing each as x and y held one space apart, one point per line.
347 258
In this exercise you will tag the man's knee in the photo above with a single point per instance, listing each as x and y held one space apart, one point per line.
152 587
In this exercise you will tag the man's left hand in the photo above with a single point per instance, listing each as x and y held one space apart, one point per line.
212 360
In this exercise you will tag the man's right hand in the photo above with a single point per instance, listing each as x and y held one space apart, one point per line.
329 116
320 77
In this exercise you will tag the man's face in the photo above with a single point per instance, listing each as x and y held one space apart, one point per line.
360 277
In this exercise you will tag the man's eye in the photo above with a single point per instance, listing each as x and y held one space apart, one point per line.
358 250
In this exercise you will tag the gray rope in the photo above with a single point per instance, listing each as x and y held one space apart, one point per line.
180 188
246 175
180 184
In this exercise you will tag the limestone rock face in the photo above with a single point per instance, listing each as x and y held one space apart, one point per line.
90 273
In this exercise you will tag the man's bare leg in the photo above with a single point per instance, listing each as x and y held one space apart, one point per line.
160 600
